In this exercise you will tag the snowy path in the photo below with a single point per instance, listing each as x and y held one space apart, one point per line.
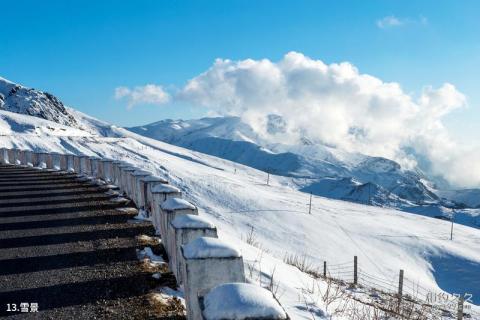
65 246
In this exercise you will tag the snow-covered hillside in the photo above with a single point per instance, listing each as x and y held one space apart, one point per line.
314 167
236 198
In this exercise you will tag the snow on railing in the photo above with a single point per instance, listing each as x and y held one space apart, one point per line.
210 270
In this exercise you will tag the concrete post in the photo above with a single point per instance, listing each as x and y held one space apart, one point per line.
135 176
144 189
77 164
85 166
3 156
18 156
172 208
11 156
160 193
49 160
209 262
94 167
118 172
29 158
241 301
183 229
124 170
22 156
104 170
63 162
40 160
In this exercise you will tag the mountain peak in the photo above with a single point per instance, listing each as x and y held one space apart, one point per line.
19 99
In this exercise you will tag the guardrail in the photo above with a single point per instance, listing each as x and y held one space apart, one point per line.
210 270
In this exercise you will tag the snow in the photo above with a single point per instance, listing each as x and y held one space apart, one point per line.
140 173
205 247
236 198
142 216
190 221
147 253
151 178
165 188
241 301
176 204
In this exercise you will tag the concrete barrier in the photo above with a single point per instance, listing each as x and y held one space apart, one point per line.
118 166
49 161
105 170
4 156
40 160
77 166
11 156
160 193
70 158
240 301
29 158
124 174
63 162
22 157
185 228
144 192
94 167
133 178
209 262
85 166
19 156
170 209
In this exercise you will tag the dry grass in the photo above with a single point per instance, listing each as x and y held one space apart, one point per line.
147 241
303 264
166 305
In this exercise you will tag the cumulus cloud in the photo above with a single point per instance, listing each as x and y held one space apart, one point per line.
393 21
148 94
337 105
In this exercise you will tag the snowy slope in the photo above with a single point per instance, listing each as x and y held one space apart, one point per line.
236 198
232 139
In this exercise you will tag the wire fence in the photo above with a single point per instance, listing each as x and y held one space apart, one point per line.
402 288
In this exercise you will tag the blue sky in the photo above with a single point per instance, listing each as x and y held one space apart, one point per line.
81 51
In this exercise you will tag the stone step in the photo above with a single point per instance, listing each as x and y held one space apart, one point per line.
53 192
58 208
54 199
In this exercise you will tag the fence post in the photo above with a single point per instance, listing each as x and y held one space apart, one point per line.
451 228
324 269
310 205
460 308
355 270
400 288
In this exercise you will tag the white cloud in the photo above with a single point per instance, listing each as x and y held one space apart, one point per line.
389 21
148 94
393 21
337 105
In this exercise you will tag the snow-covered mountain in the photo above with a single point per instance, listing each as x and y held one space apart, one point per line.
236 199
317 168
19 99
